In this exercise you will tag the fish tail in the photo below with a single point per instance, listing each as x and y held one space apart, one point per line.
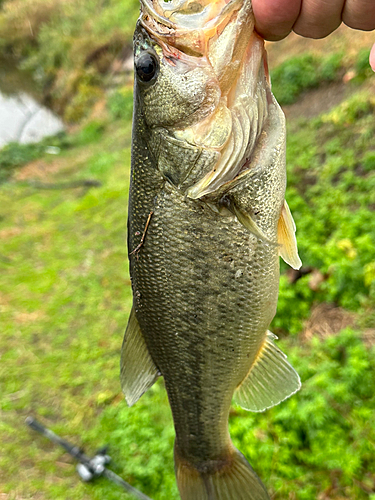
229 479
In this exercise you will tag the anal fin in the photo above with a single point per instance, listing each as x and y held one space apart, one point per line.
286 230
270 380
138 371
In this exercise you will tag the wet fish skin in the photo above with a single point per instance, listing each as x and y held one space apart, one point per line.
204 273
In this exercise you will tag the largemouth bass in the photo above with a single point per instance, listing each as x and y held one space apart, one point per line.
207 223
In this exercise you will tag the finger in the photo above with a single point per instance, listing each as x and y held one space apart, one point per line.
372 58
274 19
318 18
359 14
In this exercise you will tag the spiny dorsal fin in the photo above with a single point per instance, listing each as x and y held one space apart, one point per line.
286 236
270 380
138 371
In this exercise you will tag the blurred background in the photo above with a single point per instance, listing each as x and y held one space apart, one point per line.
65 136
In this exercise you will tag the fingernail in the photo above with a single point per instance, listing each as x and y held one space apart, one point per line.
372 58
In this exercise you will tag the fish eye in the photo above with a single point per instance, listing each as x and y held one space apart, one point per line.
146 67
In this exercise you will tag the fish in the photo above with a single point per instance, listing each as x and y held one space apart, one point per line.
207 222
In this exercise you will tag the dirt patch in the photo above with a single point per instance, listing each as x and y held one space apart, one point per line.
10 232
368 337
327 320
328 95
43 169
38 169
4 300
26 317
317 101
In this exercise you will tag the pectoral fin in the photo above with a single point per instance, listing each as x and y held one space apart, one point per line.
250 224
138 371
286 230
270 380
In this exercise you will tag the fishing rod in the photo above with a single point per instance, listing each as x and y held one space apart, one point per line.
88 468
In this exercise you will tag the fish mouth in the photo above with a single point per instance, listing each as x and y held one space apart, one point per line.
194 26
191 14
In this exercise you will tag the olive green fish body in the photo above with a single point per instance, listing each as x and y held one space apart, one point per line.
204 263
202 283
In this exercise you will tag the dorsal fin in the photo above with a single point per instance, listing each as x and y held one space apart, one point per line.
286 236
138 371
270 380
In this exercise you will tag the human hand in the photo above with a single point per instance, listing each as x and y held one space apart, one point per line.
312 18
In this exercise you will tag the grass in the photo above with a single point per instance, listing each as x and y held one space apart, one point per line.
65 297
